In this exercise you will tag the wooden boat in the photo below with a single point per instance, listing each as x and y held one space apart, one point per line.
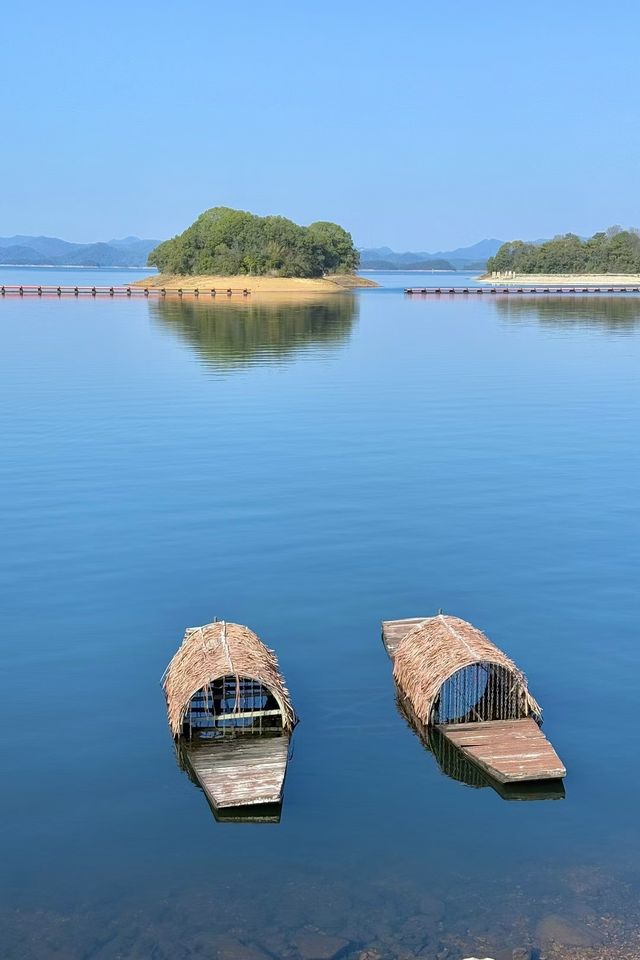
452 678
231 716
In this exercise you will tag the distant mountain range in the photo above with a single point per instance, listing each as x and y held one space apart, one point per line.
51 251
133 252
462 258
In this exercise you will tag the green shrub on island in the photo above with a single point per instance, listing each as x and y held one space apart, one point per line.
615 251
225 242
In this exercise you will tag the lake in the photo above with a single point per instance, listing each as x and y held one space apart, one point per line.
311 469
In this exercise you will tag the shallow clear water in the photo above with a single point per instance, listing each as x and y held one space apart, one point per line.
310 470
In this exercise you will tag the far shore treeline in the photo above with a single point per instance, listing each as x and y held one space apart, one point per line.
226 242
613 251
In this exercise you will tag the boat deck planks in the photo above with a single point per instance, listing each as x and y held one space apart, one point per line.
241 771
393 631
509 750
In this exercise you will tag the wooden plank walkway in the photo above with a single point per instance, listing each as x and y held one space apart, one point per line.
242 770
513 290
508 750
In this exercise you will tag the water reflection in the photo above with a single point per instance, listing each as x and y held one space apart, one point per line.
619 314
230 334
458 767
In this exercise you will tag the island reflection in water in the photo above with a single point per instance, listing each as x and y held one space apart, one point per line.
230 334
610 314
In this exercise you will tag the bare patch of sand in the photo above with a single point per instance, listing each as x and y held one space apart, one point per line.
258 285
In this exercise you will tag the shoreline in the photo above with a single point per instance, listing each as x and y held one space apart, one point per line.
259 285
564 279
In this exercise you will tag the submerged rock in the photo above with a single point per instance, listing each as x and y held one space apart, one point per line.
319 946
228 948
567 932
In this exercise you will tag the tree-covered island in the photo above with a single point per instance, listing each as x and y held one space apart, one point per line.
614 251
226 242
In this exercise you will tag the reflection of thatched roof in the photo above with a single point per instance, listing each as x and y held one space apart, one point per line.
231 334
437 648
451 761
217 650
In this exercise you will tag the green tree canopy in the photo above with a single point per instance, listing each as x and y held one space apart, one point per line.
613 251
228 242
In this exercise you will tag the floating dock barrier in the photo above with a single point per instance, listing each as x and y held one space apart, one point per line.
119 292
451 677
229 709
498 290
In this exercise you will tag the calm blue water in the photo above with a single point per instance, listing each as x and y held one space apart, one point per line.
400 279
72 276
310 470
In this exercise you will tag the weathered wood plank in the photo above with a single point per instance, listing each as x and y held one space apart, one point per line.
241 771
509 750
393 631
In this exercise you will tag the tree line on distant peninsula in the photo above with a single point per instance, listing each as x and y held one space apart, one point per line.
226 242
612 251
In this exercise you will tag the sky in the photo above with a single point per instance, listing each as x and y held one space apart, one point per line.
415 125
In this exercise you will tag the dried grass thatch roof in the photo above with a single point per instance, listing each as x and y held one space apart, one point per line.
218 650
435 649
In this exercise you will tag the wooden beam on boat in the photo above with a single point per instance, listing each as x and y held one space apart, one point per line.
239 771
268 813
508 750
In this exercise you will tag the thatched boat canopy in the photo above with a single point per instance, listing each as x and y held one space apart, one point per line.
223 674
450 672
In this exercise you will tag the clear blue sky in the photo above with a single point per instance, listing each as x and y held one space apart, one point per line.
414 124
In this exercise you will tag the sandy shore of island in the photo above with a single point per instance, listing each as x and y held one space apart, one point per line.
259 285
566 279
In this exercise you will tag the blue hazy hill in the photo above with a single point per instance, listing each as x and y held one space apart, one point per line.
23 249
474 256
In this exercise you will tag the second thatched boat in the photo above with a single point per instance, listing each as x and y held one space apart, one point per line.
451 677
230 710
